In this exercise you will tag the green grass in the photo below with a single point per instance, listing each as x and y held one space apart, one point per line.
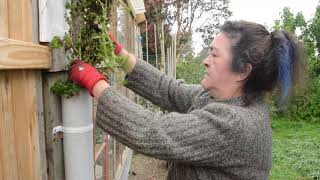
296 150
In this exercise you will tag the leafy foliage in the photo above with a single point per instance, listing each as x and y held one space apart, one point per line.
190 71
88 39
289 21
313 30
306 107
56 42
65 88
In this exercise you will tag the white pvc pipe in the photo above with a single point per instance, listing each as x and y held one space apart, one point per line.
78 137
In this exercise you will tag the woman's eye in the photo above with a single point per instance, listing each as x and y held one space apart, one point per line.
214 55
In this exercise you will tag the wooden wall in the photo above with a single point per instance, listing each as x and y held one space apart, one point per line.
21 141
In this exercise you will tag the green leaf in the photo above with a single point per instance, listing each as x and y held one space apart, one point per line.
56 42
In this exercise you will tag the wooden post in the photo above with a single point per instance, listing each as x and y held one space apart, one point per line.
162 49
174 46
147 43
155 43
106 159
169 67
53 118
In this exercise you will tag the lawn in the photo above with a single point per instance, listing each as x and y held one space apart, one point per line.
296 150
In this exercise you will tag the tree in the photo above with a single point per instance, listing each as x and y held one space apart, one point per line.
313 30
202 16
289 21
188 17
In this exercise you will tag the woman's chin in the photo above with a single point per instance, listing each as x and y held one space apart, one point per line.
203 84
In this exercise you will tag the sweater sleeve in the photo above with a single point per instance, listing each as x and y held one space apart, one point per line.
199 137
169 94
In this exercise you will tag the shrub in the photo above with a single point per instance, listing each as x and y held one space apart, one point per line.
191 71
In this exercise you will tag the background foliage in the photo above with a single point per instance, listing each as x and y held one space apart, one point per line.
186 17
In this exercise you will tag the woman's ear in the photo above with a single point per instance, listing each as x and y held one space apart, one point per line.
247 70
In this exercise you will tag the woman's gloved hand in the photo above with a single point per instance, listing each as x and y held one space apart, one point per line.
85 75
120 51
119 47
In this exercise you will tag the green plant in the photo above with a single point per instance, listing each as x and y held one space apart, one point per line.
66 88
306 107
56 42
88 40
191 71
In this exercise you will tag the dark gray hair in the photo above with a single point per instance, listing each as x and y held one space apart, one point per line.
276 58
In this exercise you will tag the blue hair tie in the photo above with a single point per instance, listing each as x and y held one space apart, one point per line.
284 52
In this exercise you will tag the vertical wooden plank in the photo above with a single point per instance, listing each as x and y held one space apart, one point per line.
4 19
8 163
134 48
59 60
19 130
113 21
25 124
106 159
35 21
53 118
20 19
39 96
41 126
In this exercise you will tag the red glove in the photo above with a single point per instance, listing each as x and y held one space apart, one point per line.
119 47
85 75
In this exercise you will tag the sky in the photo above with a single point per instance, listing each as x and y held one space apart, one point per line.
264 11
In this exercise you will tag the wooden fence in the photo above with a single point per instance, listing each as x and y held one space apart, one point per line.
28 109
22 142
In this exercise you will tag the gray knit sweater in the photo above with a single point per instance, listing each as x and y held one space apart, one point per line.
201 137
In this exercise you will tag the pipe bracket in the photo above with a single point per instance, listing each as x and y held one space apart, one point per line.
73 130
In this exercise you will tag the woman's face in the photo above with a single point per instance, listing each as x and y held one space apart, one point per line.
219 78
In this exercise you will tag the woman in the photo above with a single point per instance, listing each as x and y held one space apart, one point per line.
220 130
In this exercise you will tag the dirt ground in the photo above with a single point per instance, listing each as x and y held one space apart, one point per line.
146 168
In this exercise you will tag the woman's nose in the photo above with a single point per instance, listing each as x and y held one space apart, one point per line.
205 62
